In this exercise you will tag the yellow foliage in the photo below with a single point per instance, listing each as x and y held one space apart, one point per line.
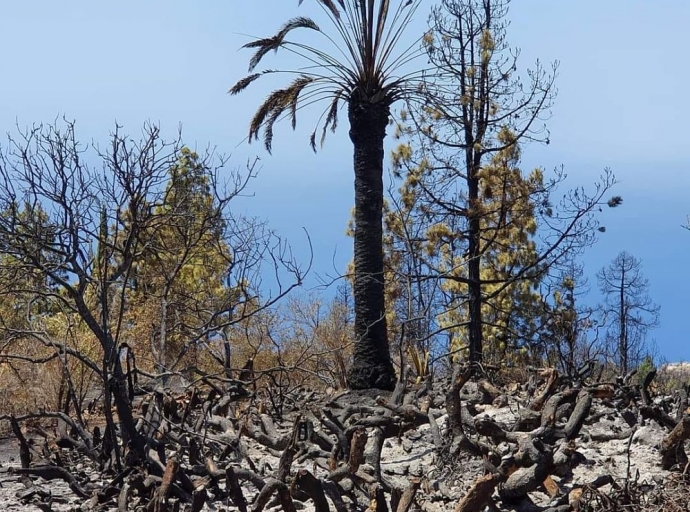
509 223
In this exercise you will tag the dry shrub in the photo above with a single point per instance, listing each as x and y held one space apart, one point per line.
508 375
636 496
38 379
305 342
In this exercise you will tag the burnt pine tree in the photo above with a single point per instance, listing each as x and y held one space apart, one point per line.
494 230
628 310
478 108
365 72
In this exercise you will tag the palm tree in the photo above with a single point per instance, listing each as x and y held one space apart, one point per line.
367 35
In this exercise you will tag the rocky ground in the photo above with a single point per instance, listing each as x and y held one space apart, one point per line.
405 461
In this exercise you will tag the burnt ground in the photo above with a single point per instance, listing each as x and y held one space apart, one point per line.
604 446
13 487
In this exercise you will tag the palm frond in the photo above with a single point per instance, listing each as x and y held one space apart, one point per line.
395 30
328 4
277 103
241 85
268 129
381 24
267 44
299 22
296 89
331 118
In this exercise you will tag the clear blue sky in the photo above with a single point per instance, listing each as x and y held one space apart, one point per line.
621 105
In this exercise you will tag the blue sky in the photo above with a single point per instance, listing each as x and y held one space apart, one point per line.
621 81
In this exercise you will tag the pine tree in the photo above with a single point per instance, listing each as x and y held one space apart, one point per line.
492 230
183 266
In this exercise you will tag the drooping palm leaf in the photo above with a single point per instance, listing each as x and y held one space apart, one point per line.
331 118
273 43
277 103
242 84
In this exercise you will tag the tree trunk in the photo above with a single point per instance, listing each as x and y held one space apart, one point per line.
623 339
371 366
474 262
130 437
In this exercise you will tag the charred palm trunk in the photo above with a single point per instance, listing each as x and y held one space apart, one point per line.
371 366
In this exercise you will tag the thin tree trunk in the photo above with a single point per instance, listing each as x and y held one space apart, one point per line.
474 265
131 438
371 366
622 342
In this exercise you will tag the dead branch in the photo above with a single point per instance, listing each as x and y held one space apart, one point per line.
672 449
233 485
577 418
272 485
548 414
359 441
24 450
407 497
479 494
553 378
312 487
658 415
159 502
52 473
644 387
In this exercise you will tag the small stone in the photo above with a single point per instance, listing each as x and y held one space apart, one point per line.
397 469
416 469
648 436
414 435
501 401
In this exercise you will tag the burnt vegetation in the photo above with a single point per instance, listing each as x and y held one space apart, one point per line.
157 352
